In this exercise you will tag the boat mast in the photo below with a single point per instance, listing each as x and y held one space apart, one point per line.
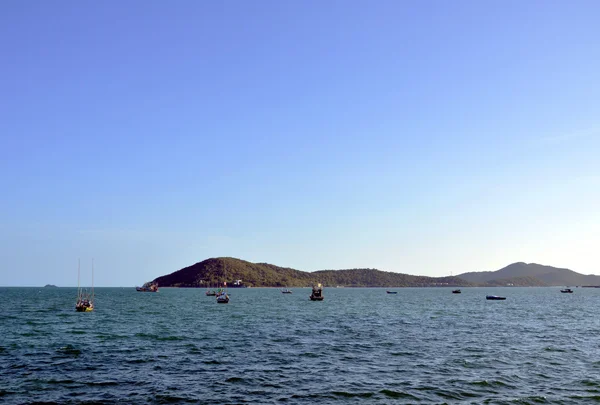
78 275
92 280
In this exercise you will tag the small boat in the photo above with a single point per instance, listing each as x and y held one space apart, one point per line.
317 293
84 305
148 287
210 293
566 290
222 296
286 291
85 300
392 292
494 297
456 292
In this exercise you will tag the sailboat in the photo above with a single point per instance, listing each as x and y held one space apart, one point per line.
85 300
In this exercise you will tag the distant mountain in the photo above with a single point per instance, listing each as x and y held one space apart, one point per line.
532 274
215 271
50 286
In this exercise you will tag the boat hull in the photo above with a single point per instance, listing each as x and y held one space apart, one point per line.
317 293
222 298
495 298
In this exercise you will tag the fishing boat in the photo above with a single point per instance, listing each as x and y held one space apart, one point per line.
210 293
566 290
392 292
85 299
286 291
222 296
150 286
456 292
317 293
494 297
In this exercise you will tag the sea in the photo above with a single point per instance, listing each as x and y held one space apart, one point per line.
359 345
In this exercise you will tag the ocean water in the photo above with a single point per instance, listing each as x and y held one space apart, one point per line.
423 345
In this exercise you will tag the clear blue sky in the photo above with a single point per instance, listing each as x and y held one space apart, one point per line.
424 137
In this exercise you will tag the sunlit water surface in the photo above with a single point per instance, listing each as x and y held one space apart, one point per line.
358 345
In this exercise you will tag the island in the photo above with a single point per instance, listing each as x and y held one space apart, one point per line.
522 274
240 273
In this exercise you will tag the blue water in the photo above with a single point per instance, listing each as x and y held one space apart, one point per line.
359 345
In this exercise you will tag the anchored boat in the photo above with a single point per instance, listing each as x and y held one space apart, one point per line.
317 293
494 297
210 293
85 299
222 296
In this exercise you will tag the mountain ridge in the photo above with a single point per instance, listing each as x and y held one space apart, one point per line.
537 275
215 271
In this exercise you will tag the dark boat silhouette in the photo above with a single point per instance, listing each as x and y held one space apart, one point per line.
456 292
392 292
85 300
317 293
494 297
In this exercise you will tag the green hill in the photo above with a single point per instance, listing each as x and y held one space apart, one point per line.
532 274
215 271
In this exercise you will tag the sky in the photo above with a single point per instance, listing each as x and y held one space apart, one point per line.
420 137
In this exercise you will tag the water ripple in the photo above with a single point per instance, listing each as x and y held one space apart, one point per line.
359 345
